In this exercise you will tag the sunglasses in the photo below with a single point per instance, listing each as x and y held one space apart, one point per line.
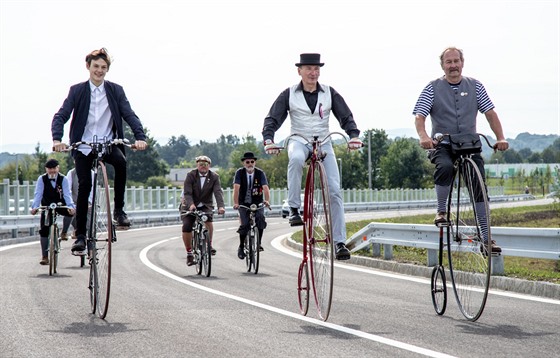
249 162
202 164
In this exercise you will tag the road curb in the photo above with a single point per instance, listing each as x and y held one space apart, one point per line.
534 288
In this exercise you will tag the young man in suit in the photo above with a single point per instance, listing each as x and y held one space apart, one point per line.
199 187
98 108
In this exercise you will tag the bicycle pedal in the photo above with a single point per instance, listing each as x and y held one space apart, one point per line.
122 228
79 253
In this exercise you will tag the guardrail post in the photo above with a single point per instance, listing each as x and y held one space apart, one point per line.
387 251
497 267
375 250
433 257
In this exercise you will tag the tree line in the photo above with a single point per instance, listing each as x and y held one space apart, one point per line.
383 163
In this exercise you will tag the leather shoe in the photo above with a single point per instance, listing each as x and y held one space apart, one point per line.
342 252
80 243
295 218
240 253
441 218
190 259
44 261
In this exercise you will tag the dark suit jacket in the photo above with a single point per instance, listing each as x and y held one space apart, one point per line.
193 193
78 102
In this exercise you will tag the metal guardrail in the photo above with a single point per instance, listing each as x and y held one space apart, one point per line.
521 242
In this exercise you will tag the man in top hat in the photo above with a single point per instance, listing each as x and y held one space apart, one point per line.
51 187
250 186
309 105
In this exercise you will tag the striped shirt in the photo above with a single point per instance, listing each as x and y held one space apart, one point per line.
426 100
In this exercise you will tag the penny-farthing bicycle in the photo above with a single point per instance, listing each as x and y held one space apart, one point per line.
468 240
101 230
316 269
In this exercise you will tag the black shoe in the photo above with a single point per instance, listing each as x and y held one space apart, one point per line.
240 253
212 251
261 249
79 244
121 218
342 253
295 218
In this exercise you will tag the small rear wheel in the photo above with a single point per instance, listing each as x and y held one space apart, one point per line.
303 288
439 289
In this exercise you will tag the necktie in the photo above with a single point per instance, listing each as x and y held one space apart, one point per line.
249 187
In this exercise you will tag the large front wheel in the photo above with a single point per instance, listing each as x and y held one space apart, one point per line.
469 239
103 237
317 213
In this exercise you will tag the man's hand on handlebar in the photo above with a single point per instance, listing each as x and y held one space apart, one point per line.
271 148
355 143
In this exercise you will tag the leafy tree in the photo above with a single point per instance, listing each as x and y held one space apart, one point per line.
379 145
146 163
175 150
512 156
404 165
352 167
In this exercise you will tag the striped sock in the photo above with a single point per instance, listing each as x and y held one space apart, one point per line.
442 192
481 216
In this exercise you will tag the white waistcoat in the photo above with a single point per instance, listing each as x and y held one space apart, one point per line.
303 121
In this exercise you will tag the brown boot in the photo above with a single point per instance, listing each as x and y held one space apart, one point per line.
190 259
441 218
44 261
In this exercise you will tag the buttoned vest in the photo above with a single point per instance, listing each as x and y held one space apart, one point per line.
454 110
256 189
50 194
303 121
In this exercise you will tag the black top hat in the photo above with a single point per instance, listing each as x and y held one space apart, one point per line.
51 163
310 59
248 155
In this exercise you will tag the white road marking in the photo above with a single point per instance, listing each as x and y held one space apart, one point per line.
390 342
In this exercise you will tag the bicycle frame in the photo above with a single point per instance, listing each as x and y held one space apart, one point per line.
317 233
253 240
468 249
201 242
50 220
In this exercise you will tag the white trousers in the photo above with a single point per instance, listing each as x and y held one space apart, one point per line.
297 154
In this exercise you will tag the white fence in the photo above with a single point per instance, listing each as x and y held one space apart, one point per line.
140 198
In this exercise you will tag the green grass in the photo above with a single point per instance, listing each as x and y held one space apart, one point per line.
542 216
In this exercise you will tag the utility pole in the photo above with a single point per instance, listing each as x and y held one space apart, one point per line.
369 159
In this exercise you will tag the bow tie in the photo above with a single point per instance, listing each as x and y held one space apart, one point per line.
52 179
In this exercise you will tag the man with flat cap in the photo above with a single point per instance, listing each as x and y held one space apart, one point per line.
309 105
250 186
51 187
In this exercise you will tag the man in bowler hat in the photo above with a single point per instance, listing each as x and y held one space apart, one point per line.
250 186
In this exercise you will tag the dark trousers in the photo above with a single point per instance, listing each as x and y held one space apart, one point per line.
83 170
444 159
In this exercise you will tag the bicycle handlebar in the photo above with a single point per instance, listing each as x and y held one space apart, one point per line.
255 207
314 140
438 137
103 143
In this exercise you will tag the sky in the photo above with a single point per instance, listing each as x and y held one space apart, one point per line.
212 67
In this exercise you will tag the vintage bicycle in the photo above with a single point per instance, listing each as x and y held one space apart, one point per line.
253 239
102 229
50 220
468 236
201 243
316 269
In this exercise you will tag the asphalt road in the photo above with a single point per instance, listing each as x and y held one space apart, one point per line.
159 307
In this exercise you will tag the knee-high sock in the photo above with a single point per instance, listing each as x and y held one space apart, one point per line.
442 192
